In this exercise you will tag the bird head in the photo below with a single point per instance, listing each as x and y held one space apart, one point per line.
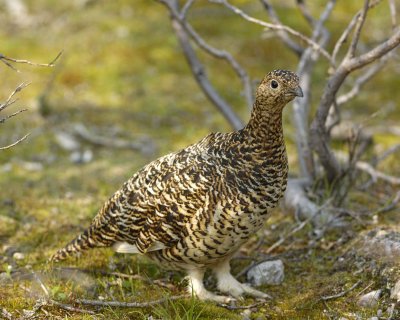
277 89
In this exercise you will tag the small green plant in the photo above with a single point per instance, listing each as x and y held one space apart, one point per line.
188 309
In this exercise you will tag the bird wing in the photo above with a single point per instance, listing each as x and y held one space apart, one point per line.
153 208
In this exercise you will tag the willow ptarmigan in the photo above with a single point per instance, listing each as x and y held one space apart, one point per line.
193 209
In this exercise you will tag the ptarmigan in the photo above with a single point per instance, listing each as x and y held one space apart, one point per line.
193 209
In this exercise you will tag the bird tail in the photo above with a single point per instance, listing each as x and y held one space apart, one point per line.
86 240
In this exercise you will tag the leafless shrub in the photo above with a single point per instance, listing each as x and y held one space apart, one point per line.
9 62
317 159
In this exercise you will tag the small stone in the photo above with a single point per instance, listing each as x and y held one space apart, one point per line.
18 256
374 318
268 272
246 314
395 292
370 299
67 141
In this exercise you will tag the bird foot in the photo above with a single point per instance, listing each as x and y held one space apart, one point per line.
207 295
236 289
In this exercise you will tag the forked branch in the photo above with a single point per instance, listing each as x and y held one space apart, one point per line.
319 134
197 67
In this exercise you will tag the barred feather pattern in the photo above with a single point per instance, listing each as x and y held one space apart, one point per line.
197 206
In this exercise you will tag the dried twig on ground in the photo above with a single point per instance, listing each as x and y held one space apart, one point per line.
123 304
69 307
233 307
341 294
146 147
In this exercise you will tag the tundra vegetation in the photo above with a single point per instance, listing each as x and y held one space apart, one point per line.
139 80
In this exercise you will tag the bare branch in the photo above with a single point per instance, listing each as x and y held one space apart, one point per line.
387 153
69 307
15 143
301 106
186 8
319 137
220 54
123 304
305 12
198 69
230 307
272 26
392 6
292 45
343 293
391 205
375 174
372 55
6 60
344 36
357 32
2 120
364 78
9 100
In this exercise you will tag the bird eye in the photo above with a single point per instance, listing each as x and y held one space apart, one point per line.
274 84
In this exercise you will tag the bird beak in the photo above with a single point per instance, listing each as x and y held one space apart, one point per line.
297 92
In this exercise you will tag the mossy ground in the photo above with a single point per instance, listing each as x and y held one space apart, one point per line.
122 74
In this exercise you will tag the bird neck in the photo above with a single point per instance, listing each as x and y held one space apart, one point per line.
265 125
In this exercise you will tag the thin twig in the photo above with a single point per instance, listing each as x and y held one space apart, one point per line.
123 304
345 34
251 306
375 174
362 79
272 26
186 8
301 107
69 307
292 45
387 153
83 133
392 7
198 69
15 143
392 205
6 60
343 293
305 12
357 32
217 53
9 100
2 120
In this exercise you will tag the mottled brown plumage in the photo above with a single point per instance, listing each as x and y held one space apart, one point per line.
194 208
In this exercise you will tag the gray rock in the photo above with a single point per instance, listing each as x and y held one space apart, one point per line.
370 299
18 256
395 292
268 272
